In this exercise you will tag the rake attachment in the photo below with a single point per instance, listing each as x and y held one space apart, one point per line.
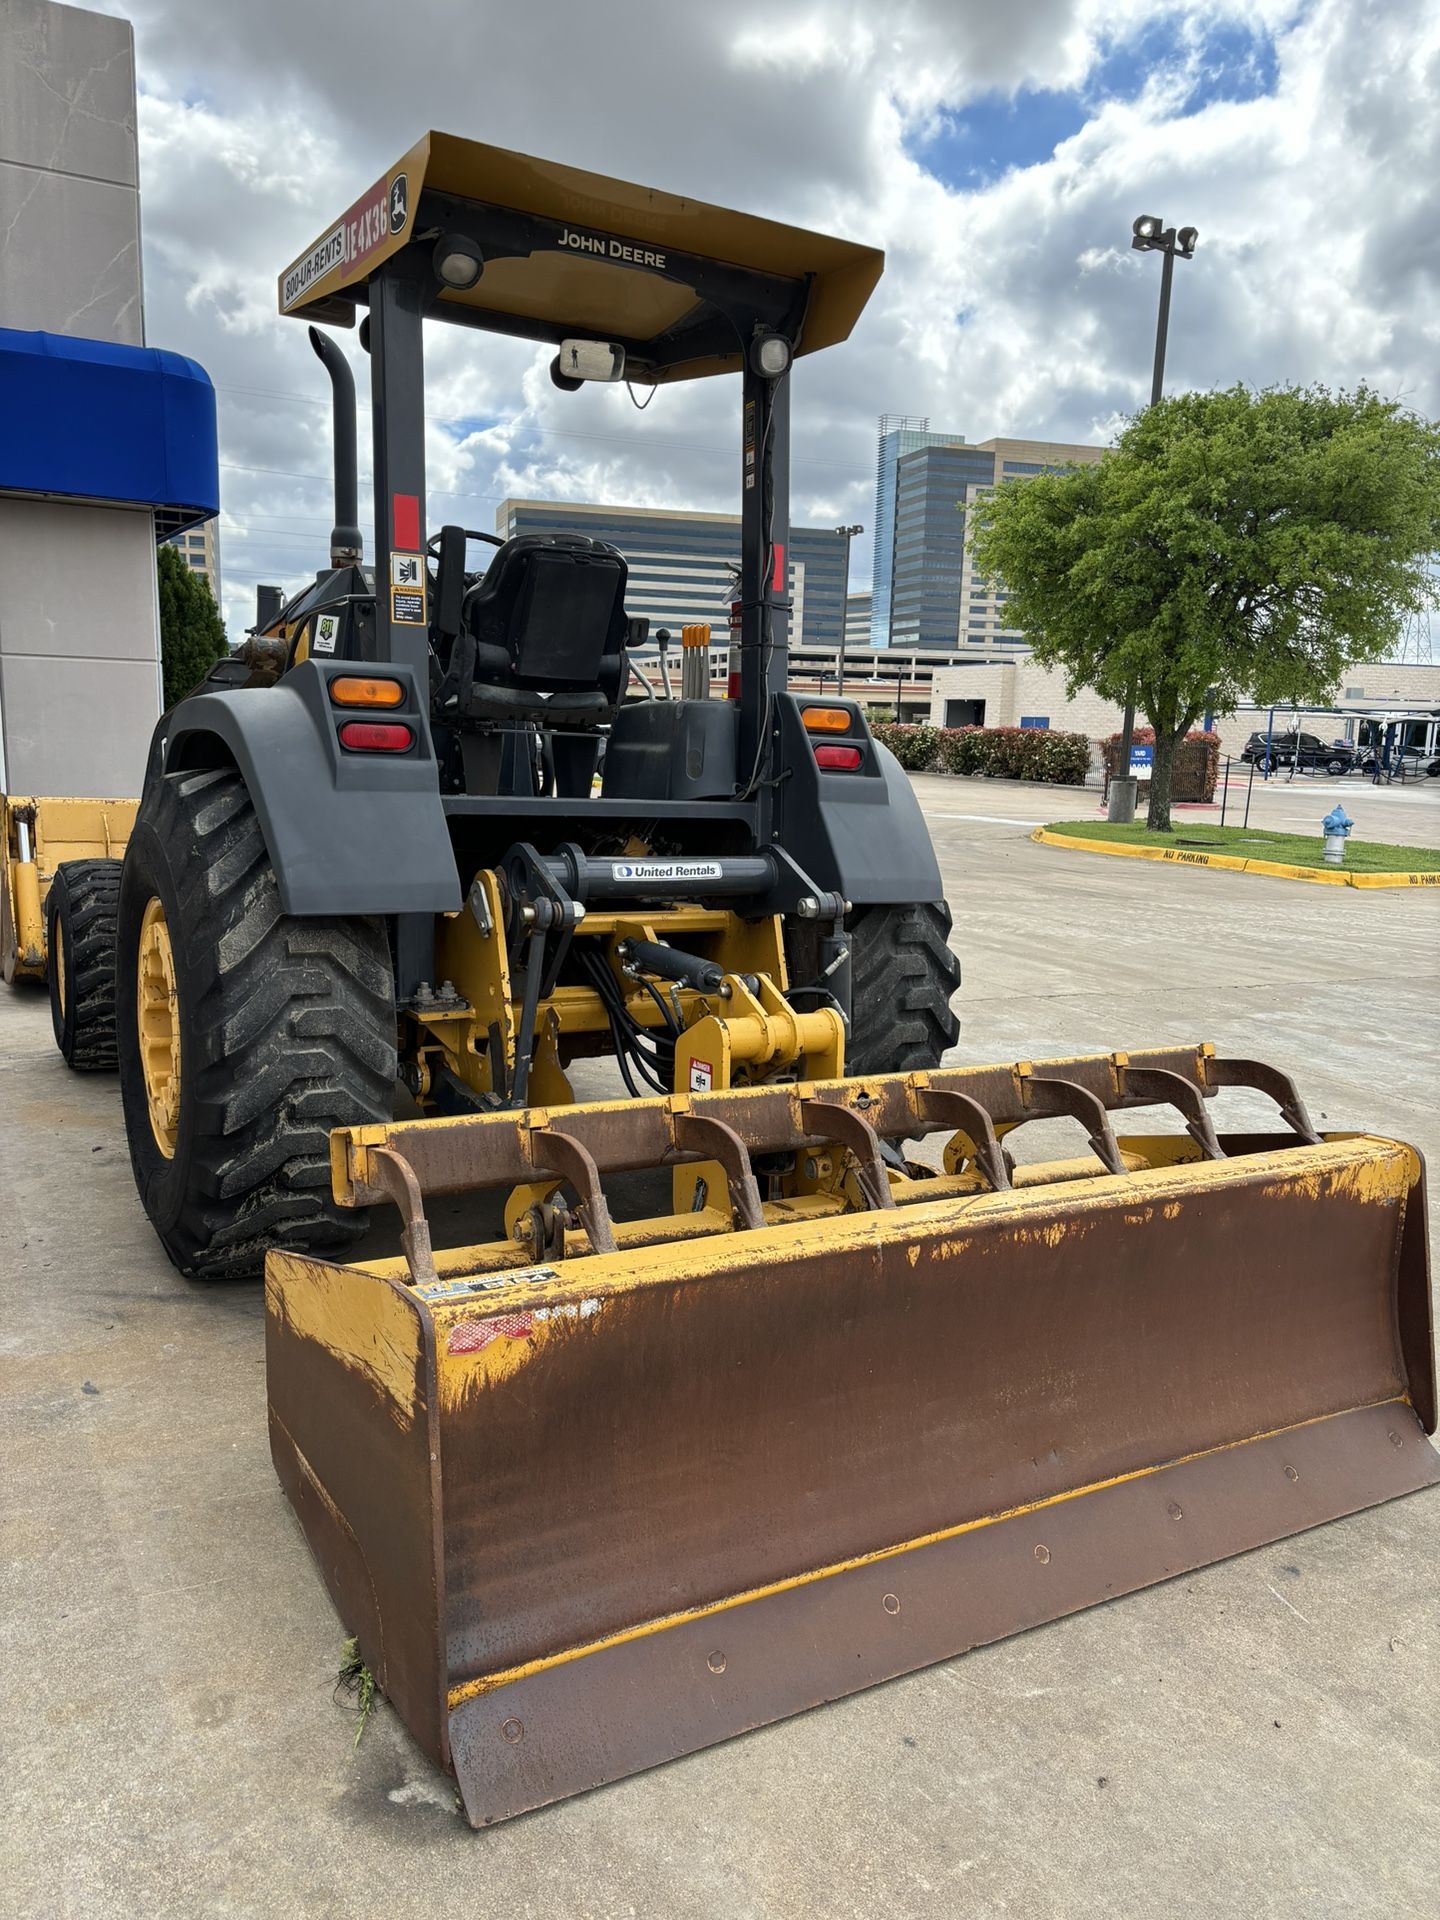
608 1491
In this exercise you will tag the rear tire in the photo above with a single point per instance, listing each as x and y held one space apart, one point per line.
903 978
282 1028
80 945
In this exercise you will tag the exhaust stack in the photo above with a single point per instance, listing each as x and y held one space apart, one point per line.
347 543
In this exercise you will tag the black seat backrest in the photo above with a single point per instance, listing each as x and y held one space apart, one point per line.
548 621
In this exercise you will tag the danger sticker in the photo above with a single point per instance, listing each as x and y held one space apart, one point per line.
702 1076
630 871
474 1336
327 633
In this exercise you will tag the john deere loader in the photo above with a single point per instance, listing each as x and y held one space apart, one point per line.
629 1477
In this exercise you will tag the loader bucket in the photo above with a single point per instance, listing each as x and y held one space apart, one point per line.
686 1476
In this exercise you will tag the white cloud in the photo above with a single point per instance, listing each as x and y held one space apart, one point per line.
1014 306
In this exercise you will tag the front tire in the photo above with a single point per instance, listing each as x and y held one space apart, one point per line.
80 949
903 978
244 1036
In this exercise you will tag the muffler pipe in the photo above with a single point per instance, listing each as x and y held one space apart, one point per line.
347 543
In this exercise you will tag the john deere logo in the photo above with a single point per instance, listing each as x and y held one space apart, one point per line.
399 202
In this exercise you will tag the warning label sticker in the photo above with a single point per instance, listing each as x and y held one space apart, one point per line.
702 1076
474 1336
645 871
484 1283
327 632
407 589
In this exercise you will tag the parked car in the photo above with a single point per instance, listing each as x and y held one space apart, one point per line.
1409 762
1307 749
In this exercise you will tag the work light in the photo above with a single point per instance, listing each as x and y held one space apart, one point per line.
770 355
459 263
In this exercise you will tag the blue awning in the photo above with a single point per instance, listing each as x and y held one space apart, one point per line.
95 421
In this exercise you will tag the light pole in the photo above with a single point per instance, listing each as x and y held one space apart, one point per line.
847 534
1149 235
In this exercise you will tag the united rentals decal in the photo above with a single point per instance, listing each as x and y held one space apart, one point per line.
373 220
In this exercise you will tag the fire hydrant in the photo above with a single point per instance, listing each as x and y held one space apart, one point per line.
1336 827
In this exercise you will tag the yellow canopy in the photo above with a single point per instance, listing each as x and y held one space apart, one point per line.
615 266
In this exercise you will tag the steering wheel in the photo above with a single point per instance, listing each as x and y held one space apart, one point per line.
471 533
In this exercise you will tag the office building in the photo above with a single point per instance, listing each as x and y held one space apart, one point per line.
683 565
857 619
899 434
937 600
200 550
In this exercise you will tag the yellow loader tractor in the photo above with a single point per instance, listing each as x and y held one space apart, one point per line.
59 884
740 1407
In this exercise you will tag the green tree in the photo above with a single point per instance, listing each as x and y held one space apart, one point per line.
1233 545
192 635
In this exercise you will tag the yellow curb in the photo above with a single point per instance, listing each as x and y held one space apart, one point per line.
1232 863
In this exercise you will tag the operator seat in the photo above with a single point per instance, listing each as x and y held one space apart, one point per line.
543 634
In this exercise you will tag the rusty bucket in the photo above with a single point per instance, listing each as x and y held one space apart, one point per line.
685 1476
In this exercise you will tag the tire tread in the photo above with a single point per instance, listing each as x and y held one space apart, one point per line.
294 1026
90 891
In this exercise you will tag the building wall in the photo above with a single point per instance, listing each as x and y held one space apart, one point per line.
682 565
79 625
1022 689
79 694
69 174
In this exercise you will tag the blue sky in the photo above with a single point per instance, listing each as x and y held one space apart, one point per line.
996 133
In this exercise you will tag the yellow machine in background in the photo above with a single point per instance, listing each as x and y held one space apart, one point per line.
60 864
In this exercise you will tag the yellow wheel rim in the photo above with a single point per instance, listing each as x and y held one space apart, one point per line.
157 1018
59 960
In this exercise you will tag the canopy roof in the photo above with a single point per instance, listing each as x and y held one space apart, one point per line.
573 253
93 420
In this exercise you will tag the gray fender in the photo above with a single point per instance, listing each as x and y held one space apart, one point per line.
860 834
347 833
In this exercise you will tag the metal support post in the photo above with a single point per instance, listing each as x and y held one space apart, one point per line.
764 579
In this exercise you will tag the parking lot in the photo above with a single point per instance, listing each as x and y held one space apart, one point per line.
1255 1739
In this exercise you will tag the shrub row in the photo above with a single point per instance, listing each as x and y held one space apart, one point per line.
1196 769
1008 753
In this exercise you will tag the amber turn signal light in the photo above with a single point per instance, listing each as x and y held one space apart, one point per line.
360 690
825 719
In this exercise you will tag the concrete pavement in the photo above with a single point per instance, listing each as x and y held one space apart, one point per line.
1257 1739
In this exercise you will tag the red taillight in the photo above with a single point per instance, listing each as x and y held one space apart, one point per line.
838 759
376 736
732 687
